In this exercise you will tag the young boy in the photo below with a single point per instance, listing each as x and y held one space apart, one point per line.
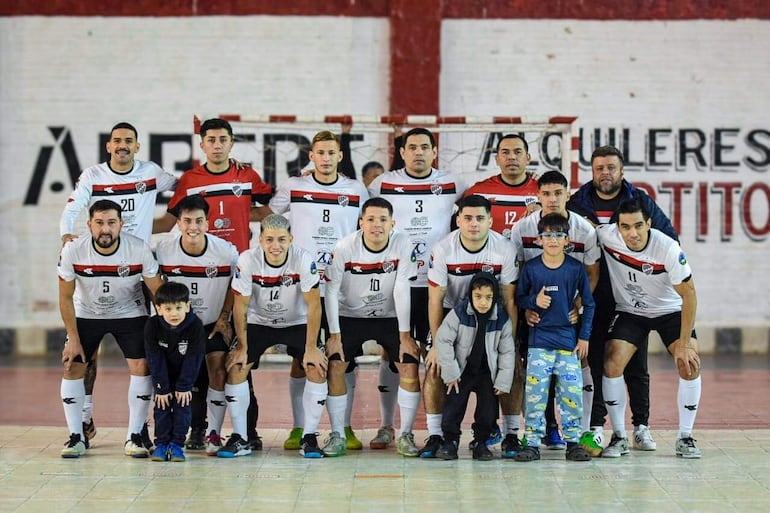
476 354
550 286
175 343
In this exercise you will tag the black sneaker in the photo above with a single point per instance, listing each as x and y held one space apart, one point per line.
146 440
432 445
89 430
448 450
482 453
575 452
255 442
529 453
235 446
309 447
197 439
511 446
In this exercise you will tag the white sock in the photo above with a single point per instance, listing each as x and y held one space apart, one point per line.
588 398
335 405
511 424
88 408
434 424
313 401
687 398
139 400
296 389
216 407
408 403
237 397
73 392
614 390
350 382
388 388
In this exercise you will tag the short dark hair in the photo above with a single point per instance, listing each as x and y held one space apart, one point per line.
103 206
377 202
552 177
192 202
513 136
172 292
632 206
553 223
371 166
607 151
215 124
473 201
127 126
420 131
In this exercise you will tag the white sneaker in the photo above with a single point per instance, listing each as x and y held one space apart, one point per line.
135 448
685 447
643 440
74 448
598 432
618 447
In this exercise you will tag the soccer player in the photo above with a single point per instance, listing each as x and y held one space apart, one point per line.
205 264
423 200
324 206
473 247
654 290
100 292
598 201
131 183
277 301
368 298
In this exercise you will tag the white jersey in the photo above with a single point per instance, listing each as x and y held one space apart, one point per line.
207 275
276 292
582 246
452 266
320 214
642 281
135 192
365 284
108 286
422 208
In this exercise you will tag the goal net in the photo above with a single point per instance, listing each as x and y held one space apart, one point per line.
277 146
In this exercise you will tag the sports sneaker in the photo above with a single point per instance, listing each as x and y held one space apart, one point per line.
135 447
589 445
448 450
432 445
235 446
385 437
576 452
175 452
335 445
197 439
529 453
618 447
685 447
160 453
553 440
213 443
146 440
405 445
598 432
295 439
309 447
482 453
495 437
255 442
89 429
74 448
351 440
643 439
510 447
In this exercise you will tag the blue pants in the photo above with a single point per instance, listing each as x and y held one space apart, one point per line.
171 424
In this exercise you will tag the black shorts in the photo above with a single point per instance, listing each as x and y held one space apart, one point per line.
262 337
215 343
356 331
129 334
419 314
635 329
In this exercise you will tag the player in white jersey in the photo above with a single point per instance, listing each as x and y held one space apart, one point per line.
206 265
100 292
323 207
654 290
277 301
472 248
368 298
553 194
423 200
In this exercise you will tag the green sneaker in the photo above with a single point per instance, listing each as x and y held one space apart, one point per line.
588 443
335 445
351 440
294 441
405 445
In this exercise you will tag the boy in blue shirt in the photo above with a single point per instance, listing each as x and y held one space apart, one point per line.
550 285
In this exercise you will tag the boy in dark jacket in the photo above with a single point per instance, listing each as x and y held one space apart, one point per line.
175 344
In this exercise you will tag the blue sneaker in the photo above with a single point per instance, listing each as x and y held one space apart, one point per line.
553 440
432 445
510 446
235 446
175 452
160 453
495 437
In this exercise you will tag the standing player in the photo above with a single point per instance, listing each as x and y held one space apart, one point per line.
598 201
134 185
277 301
236 195
473 247
423 200
368 298
205 264
100 292
324 207
654 290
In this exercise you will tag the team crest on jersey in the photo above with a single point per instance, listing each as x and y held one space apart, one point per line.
238 272
237 190
388 266
141 187
287 281
212 271
682 258
182 347
313 268
647 269
123 271
569 248
488 268
343 200
436 189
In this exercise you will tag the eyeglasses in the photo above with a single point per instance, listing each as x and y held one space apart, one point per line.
553 235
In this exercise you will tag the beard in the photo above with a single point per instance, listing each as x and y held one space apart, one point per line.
105 240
